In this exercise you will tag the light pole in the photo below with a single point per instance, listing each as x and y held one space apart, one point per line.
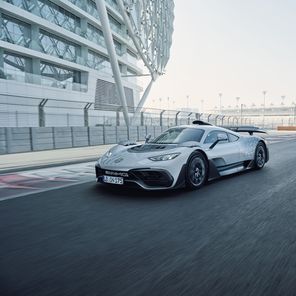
294 113
264 97
283 98
241 113
160 103
220 102
187 97
237 103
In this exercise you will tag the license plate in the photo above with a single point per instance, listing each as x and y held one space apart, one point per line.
113 180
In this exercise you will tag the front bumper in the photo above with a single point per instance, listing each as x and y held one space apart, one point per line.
146 178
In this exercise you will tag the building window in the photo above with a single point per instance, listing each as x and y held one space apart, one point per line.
15 31
57 46
28 5
51 12
98 62
58 15
95 35
118 47
88 6
115 25
16 66
61 77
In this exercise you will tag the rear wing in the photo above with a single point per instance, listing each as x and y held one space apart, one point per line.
246 129
200 122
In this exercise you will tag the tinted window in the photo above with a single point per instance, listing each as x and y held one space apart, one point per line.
213 136
179 135
232 138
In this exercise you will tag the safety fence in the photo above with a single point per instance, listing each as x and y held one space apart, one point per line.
41 112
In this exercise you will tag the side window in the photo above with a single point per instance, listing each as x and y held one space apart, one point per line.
232 138
213 136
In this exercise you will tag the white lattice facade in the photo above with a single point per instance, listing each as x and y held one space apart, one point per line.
56 50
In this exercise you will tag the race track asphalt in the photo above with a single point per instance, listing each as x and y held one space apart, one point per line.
235 236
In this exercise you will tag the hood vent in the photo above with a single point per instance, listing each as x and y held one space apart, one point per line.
150 148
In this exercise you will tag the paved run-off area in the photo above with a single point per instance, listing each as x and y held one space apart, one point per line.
235 236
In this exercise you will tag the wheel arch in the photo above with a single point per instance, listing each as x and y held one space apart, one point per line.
265 148
202 152
212 170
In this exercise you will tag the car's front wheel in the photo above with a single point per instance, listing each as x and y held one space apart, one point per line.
196 171
260 157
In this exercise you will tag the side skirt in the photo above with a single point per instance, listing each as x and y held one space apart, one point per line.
234 168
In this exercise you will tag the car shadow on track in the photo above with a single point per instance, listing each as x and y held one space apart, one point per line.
135 193
120 192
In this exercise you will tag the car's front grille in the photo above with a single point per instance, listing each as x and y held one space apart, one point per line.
148 177
154 178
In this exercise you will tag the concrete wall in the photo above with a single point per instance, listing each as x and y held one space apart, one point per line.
133 133
18 139
3 148
122 133
62 137
150 131
80 136
141 133
42 138
110 135
96 135
25 139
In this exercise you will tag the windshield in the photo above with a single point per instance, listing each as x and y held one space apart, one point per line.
179 135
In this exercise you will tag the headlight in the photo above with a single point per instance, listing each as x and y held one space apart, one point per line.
164 157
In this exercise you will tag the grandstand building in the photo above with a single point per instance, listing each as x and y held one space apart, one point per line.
54 53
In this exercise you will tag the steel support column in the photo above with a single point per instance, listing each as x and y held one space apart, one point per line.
85 113
161 117
176 117
198 116
216 119
209 116
102 10
118 116
142 101
41 113
188 117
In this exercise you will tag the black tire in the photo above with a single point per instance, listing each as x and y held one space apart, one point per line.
260 156
196 171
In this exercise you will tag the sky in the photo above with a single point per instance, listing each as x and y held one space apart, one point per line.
235 47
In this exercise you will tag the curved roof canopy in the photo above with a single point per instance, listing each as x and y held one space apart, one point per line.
150 25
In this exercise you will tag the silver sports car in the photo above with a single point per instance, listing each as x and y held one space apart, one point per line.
183 156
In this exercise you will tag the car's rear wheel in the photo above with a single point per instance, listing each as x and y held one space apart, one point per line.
196 171
260 157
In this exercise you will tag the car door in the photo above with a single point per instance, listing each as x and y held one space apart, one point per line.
225 152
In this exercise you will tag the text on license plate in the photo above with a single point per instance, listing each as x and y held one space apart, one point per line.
113 180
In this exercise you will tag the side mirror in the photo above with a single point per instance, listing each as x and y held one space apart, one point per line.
147 138
220 138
